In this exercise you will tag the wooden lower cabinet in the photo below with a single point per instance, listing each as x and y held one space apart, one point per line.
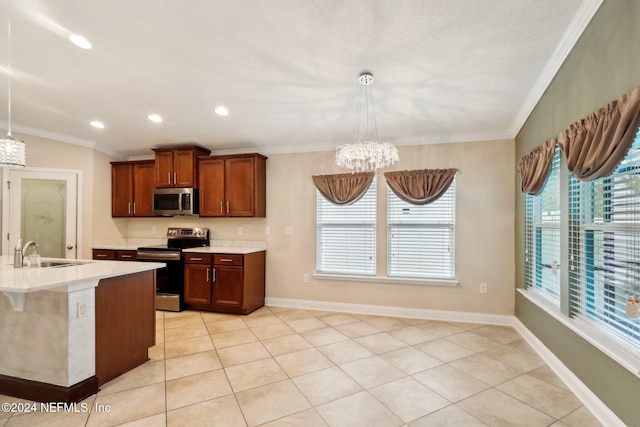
115 255
125 323
224 283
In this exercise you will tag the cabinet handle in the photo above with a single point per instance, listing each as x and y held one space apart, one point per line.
221 211
214 275
227 206
129 208
169 178
195 259
175 178
207 274
225 260
126 256
101 255
134 208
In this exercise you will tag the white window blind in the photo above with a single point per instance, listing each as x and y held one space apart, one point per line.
542 238
604 245
346 235
421 239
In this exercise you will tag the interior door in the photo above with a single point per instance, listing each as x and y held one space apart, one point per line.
43 208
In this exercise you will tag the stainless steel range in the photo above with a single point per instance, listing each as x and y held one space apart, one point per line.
170 280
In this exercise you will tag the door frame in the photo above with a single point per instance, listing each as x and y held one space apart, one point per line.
6 174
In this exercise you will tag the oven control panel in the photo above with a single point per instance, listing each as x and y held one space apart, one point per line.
187 233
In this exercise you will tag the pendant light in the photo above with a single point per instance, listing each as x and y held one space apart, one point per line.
12 151
366 152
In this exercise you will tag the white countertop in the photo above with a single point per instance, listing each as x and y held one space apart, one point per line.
231 250
33 279
239 247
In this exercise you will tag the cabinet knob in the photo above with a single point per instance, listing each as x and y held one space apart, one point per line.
71 247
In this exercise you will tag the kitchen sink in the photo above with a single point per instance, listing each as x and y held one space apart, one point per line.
54 264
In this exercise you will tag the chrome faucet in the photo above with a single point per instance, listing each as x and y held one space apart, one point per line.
28 245
19 255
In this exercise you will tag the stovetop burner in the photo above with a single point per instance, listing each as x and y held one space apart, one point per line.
182 238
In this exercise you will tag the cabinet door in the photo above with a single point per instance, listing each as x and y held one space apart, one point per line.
228 287
183 168
121 190
164 169
143 178
240 186
212 201
197 284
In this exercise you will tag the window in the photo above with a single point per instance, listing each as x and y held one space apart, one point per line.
346 235
421 239
604 249
542 238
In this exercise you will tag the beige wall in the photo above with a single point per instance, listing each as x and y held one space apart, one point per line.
484 239
600 68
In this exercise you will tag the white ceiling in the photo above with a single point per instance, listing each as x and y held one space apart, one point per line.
287 70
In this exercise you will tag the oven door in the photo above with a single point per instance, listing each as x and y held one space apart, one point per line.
169 280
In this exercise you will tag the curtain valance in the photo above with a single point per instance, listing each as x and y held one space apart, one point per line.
534 167
343 189
420 187
594 146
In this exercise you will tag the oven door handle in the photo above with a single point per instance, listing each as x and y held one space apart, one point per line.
158 256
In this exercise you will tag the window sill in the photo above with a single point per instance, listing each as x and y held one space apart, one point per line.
588 332
386 279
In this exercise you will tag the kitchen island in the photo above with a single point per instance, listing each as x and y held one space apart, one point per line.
69 328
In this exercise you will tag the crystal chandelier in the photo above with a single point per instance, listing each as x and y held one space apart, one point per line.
366 152
12 151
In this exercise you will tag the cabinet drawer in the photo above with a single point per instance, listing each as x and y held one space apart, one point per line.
197 258
227 259
126 255
104 254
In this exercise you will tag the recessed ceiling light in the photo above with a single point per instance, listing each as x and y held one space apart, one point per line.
97 124
80 41
155 118
221 111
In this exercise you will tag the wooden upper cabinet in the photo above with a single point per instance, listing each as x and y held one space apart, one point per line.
178 166
233 186
132 186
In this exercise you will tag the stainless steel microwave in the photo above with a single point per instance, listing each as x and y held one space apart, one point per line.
175 201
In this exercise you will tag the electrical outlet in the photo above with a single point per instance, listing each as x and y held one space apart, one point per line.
82 310
305 278
288 231
483 288
267 231
153 229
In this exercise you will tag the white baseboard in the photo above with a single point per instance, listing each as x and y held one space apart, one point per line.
582 392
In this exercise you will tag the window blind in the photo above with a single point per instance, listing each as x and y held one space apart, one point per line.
604 244
542 238
421 239
346 235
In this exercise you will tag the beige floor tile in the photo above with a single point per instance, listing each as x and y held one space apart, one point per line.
243 353
262 311
196 388
357 329
501 334
326 385
231 338
372 371
360 409
209 317
412 335
160 336
272 331
442 329
286 344
451 383
191 364
324 336
262 320
303 362
308 324
410 360
254 374
386 323
128 405
466 326
380 343
543 396
518 359
156 352
408 398
472 341
145 374
307 418
522 345
294 314
581 417
221 412
227 325
184 332
498 409
451 416
184 313
177 322
337 319
270 402
485 369
275 309
344 351
188 346
158 420
546 374
444 350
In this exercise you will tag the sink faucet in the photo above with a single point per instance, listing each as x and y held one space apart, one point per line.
19 255
28 245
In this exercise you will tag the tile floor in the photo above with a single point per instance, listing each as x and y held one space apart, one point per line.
286 367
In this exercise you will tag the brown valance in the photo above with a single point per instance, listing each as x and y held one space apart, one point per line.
343 189
595 145
534 167
420 187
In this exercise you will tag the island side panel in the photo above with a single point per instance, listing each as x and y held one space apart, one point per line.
125 323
